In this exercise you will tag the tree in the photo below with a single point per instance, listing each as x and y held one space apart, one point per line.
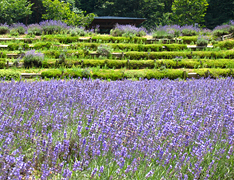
219 12
57 10
13 10
189 11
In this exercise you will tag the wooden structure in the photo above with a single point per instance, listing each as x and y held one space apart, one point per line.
106 23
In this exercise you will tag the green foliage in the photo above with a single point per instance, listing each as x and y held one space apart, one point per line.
60 10
4 29
9 74
32 59
17 46
189 32
3 55
188 39
2 63
104 50
189 11
220 32
225 44
13 10
202 41
42 45
161 34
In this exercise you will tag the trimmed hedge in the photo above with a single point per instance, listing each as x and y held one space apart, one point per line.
173 54
65 39
107 39
55 53
225 44
215 73
141 64
9 74
117 74
15 46
189 39
42 45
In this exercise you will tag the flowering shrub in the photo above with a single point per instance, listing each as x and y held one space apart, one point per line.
104 50
32 58
128 31
53 26
189 30
20 28
202 41
34 29
4 28
124 129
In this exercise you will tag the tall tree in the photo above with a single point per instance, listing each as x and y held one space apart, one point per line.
189 11
219 12
13 10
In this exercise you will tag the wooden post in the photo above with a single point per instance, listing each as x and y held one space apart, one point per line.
122 55
128 64
185 74
7 66
90 40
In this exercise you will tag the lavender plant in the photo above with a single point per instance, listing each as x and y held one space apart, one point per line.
104 50
4 28
20 28
53 27
33 59
92 129
34 29
128 31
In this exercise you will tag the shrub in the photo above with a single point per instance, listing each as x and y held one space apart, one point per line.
3 55
128 31
189 30
34 29
202 41
16 46
161 34
77 31
20 28
225 44
104 50
32 58
188 39
4 28
42 45
53 26
9 74
51 73
2 63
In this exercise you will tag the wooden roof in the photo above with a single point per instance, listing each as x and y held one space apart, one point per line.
108 22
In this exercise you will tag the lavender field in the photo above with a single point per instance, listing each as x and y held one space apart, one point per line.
92 129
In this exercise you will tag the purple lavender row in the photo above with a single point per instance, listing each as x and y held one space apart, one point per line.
92 129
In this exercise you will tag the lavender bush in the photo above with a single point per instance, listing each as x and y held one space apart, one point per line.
104 50
53 27
128 31
33 59
18 27
34 29
4 28
85 129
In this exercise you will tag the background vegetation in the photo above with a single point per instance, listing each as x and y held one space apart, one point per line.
208 13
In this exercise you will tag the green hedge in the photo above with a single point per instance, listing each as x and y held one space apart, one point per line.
65 39
9 74
2 63
3 55
42 45
15 46
116 74
172 54
215 73
189 39
225 44
106 39
141 64
55 53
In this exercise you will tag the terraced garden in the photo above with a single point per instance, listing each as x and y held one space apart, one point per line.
101 112
109 57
